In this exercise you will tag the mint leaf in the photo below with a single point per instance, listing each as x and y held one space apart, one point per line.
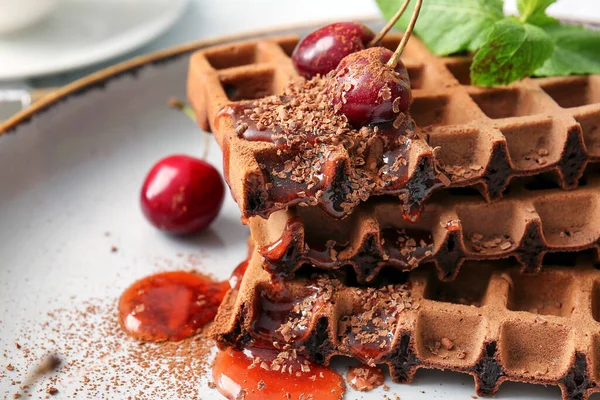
576 51
512 51
534 11
449 26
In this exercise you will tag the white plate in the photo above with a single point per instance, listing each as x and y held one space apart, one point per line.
70 171
83 32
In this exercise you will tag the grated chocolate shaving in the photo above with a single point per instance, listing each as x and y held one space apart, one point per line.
309 132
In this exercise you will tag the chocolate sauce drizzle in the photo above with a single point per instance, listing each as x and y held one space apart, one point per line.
390 148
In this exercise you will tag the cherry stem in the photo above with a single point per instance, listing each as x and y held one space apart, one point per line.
389 25
395 58
187 110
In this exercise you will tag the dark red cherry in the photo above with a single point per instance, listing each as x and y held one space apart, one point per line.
182 194
321 51
368 91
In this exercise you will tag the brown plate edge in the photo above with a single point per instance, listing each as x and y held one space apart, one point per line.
98 78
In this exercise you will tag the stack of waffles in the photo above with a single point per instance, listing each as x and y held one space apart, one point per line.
470 246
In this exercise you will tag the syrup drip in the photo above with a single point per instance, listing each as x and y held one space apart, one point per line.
319 253
236 379
279 308
251 133
331 180
173 305
407 248
281 249
368 332
238 273
452 225
285 252
371 350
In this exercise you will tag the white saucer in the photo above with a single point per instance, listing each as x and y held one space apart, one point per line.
83 32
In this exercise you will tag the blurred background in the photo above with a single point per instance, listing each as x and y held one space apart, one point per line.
45 44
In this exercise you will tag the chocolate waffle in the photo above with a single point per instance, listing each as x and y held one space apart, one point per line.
532 220
477 137
492 322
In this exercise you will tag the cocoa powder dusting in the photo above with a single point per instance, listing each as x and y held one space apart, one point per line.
82 352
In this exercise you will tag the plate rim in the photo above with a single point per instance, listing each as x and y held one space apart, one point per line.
101 76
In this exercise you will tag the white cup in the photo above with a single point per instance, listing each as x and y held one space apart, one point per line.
19 14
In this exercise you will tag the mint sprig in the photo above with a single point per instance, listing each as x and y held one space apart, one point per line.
506 48
534 11
576 51
512 50
450 26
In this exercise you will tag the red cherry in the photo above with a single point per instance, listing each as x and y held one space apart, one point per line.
322 50
368 91
182 194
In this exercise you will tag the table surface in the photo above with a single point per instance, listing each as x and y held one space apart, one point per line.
212 18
